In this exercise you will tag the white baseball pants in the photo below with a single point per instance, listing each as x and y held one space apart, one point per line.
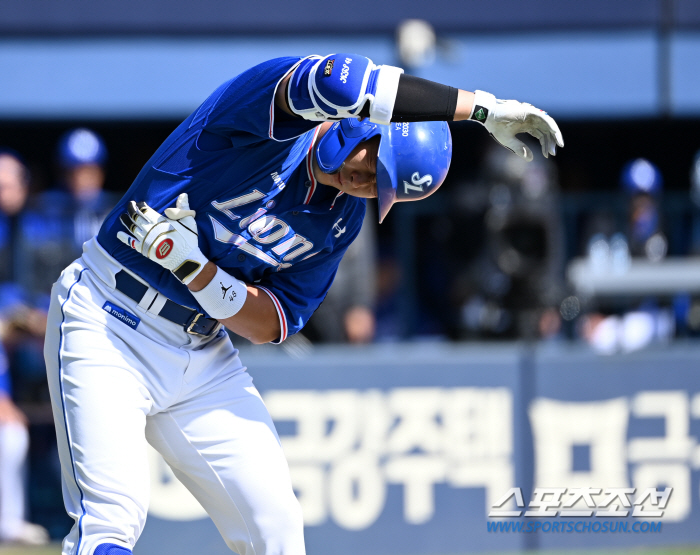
114 388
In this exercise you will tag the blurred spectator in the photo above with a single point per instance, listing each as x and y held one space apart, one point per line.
347 313
22 325
690 317
642 181
14 436
14 190
72 212
611 328
695 197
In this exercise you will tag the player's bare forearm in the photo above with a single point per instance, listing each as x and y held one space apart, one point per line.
465 102
257 320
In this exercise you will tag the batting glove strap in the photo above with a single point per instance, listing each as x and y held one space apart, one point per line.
223 297
504 119
190 267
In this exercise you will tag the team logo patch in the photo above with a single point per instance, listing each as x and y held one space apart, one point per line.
164 248
329 68
122 314
336 227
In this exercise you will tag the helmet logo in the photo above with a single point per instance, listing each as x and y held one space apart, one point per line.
417 183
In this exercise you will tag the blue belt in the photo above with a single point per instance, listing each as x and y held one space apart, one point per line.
193 322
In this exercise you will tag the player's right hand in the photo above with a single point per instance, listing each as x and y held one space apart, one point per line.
171 240
504 119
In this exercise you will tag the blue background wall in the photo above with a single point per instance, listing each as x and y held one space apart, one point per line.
576 74
491 418
337 16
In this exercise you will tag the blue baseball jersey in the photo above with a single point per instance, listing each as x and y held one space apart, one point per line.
261 215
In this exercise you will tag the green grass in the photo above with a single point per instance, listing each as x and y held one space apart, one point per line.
55 549
641 551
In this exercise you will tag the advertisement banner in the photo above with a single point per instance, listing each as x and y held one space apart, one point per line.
429 449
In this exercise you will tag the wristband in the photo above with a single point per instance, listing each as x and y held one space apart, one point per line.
223 296
483 103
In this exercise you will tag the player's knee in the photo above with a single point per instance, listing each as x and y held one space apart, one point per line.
111 549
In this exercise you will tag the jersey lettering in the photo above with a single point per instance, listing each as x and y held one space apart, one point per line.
265 231
298 243
226 206
245 222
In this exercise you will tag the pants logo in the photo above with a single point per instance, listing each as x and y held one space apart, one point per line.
121 314
164 248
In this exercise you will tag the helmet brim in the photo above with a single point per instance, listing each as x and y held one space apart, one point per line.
386 174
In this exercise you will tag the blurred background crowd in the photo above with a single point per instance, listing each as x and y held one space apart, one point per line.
598 246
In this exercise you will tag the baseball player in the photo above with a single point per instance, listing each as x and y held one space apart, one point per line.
239 220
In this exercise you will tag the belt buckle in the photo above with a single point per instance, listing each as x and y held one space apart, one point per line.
189 329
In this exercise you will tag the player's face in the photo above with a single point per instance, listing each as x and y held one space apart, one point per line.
358 174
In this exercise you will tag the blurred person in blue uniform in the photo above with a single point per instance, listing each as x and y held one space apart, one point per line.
22 321
642 182
14 434
72 212
610 250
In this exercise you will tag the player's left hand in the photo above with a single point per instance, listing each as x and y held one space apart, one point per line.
171 240
504 119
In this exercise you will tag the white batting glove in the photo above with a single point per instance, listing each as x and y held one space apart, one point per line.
170 240
504 119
